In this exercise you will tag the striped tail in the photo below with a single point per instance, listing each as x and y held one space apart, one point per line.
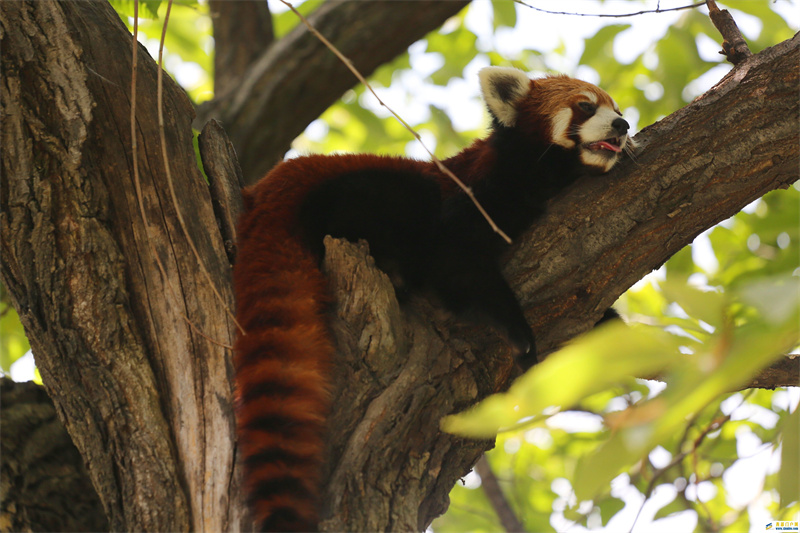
282 376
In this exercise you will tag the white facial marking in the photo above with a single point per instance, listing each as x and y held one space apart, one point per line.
590 95
560 126
598 127
594 159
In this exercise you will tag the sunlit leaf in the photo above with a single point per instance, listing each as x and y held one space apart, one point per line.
505 13
600 47
598 360
13 342
609 507
708 306
147 8
789 480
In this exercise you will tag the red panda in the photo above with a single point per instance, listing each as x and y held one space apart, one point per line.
545 133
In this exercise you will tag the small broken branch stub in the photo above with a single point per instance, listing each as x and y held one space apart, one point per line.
734 47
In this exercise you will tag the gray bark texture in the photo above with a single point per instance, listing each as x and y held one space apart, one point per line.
132 340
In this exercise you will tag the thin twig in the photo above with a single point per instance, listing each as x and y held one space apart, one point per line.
678 458
496 497
607 15
734 47
416 135
168 172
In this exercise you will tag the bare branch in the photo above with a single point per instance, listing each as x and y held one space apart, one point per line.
734 47
783 373
494 493
608 15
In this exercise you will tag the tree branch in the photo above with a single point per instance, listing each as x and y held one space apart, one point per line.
491 487
734 47
783 373
297 77
242 31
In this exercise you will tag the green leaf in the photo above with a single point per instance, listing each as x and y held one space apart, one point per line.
600 47
600 359
707 306
680 266
457 47
13 342
731 357
675 506
505 13
789 480
608 508
125 8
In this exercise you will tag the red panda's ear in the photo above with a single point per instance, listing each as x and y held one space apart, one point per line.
502 88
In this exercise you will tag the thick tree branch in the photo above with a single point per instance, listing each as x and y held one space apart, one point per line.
783 373
242 31
297 78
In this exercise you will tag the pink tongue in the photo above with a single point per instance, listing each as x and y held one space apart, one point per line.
607 146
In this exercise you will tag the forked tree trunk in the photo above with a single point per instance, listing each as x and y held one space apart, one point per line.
131 338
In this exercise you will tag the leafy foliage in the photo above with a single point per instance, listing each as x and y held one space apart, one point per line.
13 342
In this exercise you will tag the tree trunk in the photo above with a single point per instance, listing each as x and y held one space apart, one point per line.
117 310
132 341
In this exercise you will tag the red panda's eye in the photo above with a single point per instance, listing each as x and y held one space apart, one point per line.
587 107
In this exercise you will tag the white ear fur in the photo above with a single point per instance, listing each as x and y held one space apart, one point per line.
502 88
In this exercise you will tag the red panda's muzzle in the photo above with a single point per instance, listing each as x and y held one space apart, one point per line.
612 144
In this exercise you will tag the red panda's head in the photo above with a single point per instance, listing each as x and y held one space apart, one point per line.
559 110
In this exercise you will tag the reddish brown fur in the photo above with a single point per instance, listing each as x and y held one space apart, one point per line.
282 362
552 94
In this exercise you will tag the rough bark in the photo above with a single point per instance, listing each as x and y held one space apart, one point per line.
146 396
43 482
122 349
297 78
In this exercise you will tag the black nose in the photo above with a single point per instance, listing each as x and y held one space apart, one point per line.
620 126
